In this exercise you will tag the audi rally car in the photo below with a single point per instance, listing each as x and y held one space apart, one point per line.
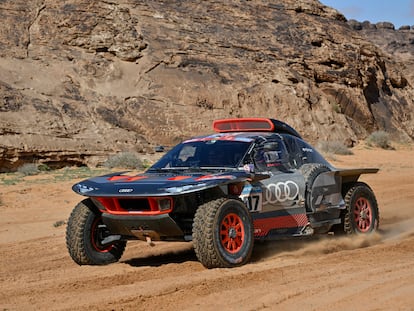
254 179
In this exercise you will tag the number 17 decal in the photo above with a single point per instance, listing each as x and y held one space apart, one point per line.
254 202
252 197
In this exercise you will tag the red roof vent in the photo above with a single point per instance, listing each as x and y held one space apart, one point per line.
244 125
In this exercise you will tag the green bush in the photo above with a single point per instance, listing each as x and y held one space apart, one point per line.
124 160
335 147
379 139
43 167
28 169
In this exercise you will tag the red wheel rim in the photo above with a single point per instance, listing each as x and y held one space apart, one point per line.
232 233
97 237
363 214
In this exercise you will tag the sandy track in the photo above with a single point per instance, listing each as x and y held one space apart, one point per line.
326 273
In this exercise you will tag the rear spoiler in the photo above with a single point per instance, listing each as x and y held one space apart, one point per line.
354 173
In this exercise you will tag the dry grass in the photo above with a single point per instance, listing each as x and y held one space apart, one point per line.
334 147
127 160
379 139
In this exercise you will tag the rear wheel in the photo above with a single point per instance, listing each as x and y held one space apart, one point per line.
361 214
86 234
223 233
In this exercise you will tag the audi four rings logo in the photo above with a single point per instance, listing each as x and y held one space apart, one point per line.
281 192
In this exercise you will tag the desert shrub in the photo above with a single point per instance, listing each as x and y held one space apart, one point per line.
43 167
146 163
335 147
124 160
28 169
337 108
59 223
379 139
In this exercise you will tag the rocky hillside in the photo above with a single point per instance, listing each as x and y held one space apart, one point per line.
82 79
396 43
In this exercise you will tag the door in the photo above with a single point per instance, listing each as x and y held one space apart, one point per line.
277 202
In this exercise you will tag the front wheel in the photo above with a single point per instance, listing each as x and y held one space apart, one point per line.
223 233
85 237
361 214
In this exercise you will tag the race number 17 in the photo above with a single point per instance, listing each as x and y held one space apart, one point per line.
253 202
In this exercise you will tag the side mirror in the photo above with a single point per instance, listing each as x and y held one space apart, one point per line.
259 176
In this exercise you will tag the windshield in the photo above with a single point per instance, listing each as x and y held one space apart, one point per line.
205 154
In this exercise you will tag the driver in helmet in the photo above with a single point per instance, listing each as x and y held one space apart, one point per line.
272 156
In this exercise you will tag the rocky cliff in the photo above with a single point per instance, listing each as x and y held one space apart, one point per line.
397 44
82 79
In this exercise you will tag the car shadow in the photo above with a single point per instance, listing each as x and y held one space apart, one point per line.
263 250
162 259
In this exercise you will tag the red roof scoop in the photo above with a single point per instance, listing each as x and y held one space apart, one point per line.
253 125
243 125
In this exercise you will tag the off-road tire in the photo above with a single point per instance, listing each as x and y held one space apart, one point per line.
83 237
223 233
361 214
310 172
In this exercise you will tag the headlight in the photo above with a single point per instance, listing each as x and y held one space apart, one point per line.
185 188
83 189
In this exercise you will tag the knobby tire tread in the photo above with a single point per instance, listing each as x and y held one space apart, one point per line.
78 225
203 235
208 246
348 228
74 234
310 172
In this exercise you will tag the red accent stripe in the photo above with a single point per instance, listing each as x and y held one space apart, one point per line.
126 178
179 177
115 178
264 225
113 207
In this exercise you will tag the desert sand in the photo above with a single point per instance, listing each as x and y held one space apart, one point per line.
373 272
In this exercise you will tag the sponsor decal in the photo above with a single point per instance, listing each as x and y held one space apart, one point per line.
257 231
307 149
255 197
281 192
264 225
126 190
248 168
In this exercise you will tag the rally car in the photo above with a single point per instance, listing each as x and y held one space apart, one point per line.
253 179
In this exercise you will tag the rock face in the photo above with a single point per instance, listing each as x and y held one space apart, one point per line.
82 79
397 45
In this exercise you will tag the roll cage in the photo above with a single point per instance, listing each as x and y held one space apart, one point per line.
282 152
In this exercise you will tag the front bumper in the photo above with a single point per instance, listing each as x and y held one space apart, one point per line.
156 227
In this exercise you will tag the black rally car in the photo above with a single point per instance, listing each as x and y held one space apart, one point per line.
254 179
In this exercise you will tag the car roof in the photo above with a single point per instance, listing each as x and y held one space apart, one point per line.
247 130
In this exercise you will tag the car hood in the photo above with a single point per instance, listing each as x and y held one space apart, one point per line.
155 184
